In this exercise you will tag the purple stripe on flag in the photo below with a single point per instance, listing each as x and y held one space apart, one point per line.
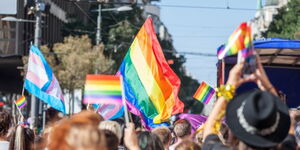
98 96
102 101
208 95
22 105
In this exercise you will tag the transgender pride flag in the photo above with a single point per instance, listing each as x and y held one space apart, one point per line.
41 82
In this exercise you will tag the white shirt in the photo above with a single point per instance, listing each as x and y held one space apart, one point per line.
4 145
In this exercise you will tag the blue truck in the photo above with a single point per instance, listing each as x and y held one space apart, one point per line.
281 60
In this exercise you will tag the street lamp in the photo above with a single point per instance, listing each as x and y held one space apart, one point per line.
13 19
118 9
37 34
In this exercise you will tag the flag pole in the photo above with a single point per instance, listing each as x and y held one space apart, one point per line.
19 109
124 102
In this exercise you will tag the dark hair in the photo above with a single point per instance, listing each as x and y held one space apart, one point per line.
5 119
164 134
112 141
149 141
22 139
182 128
188 145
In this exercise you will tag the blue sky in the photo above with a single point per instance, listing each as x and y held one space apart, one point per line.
203 30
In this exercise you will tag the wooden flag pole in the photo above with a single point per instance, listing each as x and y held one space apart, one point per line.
124 102
18 109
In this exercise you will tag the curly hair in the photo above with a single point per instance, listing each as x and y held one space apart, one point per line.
5 119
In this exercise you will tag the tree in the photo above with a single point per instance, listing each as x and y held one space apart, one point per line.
286 23
73 59
118 31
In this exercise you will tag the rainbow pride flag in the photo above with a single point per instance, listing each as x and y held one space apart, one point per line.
21 102
204 93
150 86
240 39
102 89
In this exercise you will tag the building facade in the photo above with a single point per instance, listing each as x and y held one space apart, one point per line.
16 37
264 16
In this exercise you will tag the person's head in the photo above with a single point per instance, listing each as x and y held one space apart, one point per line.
149 141
85 137
88 117
188 145
258 119
22 139
78 133
112 141
113 126
182 128
5 120
164 135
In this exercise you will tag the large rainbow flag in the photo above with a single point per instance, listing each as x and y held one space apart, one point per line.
239 40
151 87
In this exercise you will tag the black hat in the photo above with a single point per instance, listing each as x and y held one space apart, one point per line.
258 118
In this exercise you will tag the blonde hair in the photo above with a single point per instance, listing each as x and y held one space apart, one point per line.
85 137
112 126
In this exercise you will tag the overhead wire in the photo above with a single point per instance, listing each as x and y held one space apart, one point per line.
84 12
207 7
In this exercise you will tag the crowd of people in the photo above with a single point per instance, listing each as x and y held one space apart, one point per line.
254 120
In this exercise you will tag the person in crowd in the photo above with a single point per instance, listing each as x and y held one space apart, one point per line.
80 132
257 118
22 138
164 135
112 141
145 140
5 120
188 145
182 130
112 126
149 141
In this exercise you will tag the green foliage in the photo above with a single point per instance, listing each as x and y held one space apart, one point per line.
286 23
74 58
118 30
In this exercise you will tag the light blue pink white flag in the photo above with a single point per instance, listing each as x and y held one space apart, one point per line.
41 82
109 111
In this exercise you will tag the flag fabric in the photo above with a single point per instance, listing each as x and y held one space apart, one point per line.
204 93
109 111
240 39
150 85
103 89
41 82
21 102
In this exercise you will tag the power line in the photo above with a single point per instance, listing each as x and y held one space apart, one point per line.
84 12
190 53
208 7
199 36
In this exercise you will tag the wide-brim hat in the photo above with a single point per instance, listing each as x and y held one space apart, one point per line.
258 118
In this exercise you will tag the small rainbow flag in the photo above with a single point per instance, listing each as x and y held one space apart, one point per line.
240 39
204 93
21 102
103 89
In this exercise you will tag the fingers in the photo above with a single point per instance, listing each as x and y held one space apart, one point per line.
237 68
252 77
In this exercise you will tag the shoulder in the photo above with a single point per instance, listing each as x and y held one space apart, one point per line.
4 145
212 142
